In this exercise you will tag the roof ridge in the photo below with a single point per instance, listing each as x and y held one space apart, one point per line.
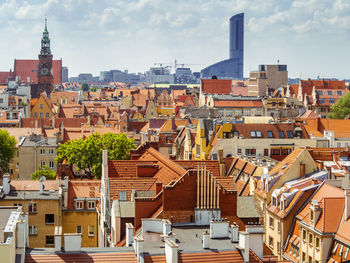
166 161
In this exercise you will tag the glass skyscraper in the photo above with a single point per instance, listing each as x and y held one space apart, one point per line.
232 67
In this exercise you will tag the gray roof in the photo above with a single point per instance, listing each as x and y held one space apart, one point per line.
39 141
32 195
246 207
124 209
231 97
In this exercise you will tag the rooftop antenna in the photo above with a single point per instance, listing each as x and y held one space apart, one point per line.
278 61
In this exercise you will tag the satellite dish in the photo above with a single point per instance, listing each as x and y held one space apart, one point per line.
42 179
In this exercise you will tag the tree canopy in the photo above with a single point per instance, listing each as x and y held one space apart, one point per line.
341 109
7 150
43 171
85 86
87 154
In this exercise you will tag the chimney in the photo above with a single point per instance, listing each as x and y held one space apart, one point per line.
256 233
104 165
139 249
36 124
129 234
219 229
42 187
58 238
6 184
65 192
329 169
234 233
302 170
159 187
221 155
347 203
171 251
173 126
206 240
244 245
133 193
166 227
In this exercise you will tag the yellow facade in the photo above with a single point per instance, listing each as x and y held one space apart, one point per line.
37 219
165 111
138 116
41 109
84 219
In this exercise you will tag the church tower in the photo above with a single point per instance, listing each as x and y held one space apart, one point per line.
45 73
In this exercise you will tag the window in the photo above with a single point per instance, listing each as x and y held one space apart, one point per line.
79 229
78 204
47 115
17 204
50 240
278 247
340 253
229 113
49 218
304 235
329 92
335 248
1 100
331 101
250 152
310 239
320 92
41 115
43 163
279 227
122 195
271 241
310 259
221 112
271 222
32 208
303 257
42 151
290 134
52 164
33 230
239 151
91 231
41 106
317 241
35 114
236 133
252 134
258 134
346 253
321 101
51 151
269 134
91 205
281 133
339 93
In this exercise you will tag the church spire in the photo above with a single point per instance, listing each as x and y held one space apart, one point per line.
45 41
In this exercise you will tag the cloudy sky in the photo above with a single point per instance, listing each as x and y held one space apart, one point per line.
311 36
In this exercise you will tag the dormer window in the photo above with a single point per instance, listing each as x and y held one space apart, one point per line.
79 205
269 134
252 134
91 204
258 134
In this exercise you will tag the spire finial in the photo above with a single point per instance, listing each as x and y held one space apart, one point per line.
45 21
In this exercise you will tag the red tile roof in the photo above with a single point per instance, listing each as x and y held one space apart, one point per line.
122 257
216 86
29 67
4 77
128 184
82 189
212 166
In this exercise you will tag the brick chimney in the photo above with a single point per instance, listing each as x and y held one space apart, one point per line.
302 169
173 126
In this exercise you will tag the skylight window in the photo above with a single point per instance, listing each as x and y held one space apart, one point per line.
290 134
281 134
269 134
258 134
252 134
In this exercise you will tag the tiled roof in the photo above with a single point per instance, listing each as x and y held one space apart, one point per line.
212 166
119 257
4 77
28 68
238 103
318 126
286 163
216 86
125 168
168 170
82 189
227 182
128 184
213 256
167 126
331 200
32 185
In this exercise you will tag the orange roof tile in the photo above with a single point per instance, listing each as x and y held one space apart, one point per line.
216 86
128 184
82 189
119 257
212 166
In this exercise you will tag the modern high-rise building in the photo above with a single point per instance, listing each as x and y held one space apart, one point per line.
233 67
64 74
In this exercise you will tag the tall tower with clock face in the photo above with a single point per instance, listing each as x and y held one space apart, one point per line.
45 74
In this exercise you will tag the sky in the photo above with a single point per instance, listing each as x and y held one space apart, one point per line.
311 36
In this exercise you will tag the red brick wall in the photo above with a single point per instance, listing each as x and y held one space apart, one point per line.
145 208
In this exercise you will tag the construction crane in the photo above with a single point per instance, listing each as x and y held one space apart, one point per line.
174 65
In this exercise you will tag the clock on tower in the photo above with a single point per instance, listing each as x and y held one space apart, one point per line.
45 78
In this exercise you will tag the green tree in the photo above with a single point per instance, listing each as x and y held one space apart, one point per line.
341 109
85 86
94 88
87 154
43 171
7 150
